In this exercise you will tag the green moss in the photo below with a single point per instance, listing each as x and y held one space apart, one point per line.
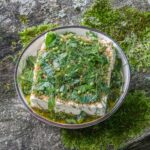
137 51
23 19
121 24
118 23
27 35
128 122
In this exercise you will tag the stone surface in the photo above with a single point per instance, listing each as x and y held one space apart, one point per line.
18 129
140 143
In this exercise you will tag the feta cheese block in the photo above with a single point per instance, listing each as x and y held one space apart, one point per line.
70 106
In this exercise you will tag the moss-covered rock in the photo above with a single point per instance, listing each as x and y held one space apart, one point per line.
128 26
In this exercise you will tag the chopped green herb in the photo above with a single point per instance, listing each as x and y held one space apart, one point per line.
26 77
50 40
51 103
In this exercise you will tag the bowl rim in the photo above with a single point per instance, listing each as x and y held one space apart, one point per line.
74 126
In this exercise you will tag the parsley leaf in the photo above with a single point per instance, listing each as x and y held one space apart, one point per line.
50 40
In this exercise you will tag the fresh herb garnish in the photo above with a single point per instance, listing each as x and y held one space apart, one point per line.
51 103
75 67
50 40
66 71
